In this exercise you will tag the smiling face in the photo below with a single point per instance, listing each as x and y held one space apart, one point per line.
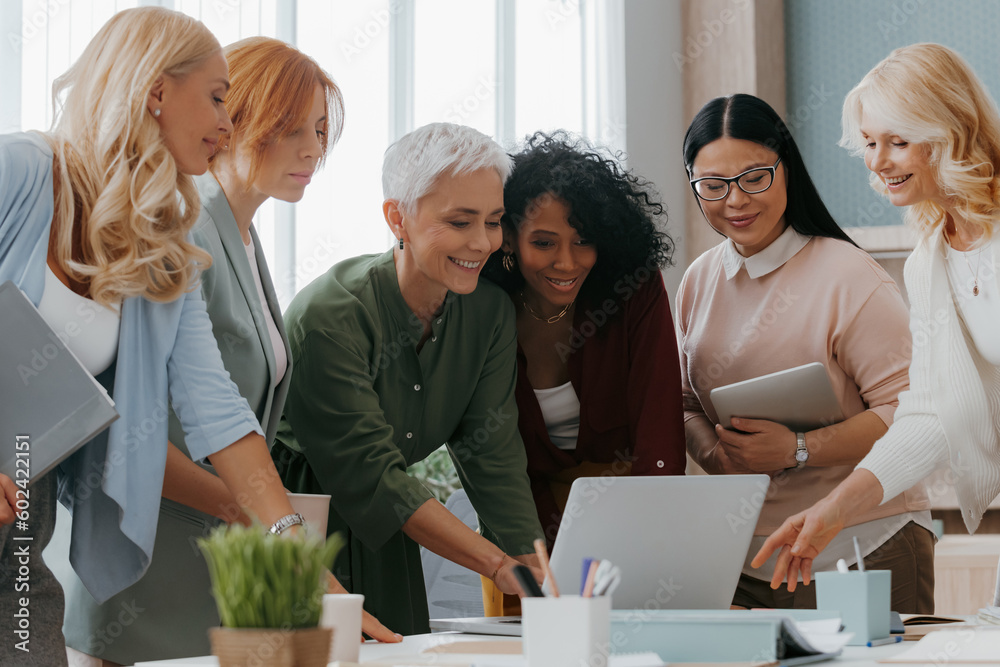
192 113
453 229
551 256
287 165
752 222
902 166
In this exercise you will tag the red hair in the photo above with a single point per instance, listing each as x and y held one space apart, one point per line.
272 92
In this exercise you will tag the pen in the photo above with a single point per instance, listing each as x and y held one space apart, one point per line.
588 588
543 560
584 571
857 552
895 639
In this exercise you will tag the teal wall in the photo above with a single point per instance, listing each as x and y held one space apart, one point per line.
831 44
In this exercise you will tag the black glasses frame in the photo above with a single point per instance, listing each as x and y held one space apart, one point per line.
735 179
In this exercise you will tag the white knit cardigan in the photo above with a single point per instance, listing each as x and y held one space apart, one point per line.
951 412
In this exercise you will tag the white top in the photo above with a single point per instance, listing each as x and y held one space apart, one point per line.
980 312
87 328
561 412
951 414
277 345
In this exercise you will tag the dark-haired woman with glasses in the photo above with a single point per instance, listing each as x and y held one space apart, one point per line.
788 287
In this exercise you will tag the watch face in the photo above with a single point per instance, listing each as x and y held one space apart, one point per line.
801 456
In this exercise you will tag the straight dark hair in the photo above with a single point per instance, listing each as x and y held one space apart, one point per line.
750 118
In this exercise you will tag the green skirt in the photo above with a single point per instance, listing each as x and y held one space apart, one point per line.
166 614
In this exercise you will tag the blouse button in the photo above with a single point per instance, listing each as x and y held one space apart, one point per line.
439 320
434 339
410 434
659 464
416 387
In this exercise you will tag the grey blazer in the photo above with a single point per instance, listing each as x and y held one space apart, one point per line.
238 319
171 608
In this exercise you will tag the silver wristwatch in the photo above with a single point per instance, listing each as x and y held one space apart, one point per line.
286 522
801 453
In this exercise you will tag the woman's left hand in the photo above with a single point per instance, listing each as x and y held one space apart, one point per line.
759 445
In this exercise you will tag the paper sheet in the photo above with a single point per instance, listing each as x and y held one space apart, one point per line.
953 647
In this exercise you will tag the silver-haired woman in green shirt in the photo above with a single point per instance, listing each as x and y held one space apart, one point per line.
399 353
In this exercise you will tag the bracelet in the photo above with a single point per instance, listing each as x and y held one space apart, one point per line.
493 577
286 522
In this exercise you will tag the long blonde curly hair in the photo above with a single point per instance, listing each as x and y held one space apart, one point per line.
119 199
929 95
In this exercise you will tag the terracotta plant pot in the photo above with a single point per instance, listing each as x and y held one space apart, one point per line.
263 647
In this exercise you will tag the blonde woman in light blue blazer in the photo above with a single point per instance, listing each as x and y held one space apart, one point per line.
286 112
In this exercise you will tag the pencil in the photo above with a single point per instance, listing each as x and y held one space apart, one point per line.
543 560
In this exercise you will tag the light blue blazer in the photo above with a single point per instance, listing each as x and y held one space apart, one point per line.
175 592
113 484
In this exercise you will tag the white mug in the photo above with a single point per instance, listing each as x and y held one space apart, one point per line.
314 508
342 612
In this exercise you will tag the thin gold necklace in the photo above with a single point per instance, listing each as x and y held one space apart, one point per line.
975 277
547 320
979 263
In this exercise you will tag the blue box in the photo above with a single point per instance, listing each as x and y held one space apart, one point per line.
862 598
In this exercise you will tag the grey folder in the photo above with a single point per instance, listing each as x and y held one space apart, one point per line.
49 404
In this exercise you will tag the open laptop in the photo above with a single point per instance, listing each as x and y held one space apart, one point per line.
680 542
49 404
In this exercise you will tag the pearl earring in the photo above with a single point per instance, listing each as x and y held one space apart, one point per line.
156 113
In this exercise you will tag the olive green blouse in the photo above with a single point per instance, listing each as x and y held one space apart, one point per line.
363 405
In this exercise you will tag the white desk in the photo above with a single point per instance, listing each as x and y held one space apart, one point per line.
412 646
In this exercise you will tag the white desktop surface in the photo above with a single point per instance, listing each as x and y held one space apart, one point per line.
856 656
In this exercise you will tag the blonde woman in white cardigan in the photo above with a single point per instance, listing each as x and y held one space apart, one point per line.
930 134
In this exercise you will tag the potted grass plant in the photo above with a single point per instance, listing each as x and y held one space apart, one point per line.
269 592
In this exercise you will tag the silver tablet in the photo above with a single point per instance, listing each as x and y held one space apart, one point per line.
799 398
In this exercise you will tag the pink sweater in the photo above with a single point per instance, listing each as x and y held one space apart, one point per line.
831 303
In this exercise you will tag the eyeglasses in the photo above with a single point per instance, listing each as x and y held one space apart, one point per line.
752 182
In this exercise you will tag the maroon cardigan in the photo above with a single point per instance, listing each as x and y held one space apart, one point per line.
626 374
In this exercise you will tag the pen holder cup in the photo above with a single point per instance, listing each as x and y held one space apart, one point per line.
567 631
862 598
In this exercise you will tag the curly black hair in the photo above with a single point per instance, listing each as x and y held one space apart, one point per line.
615 210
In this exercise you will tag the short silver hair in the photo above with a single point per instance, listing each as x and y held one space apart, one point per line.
415 162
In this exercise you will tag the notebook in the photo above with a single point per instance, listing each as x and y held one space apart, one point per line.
49 404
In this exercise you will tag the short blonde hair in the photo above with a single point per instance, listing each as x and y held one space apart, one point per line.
272 92
114 175
930 96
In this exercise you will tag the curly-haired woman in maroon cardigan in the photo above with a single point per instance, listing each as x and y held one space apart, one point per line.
598 386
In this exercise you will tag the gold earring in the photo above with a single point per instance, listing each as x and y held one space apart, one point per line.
508 261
